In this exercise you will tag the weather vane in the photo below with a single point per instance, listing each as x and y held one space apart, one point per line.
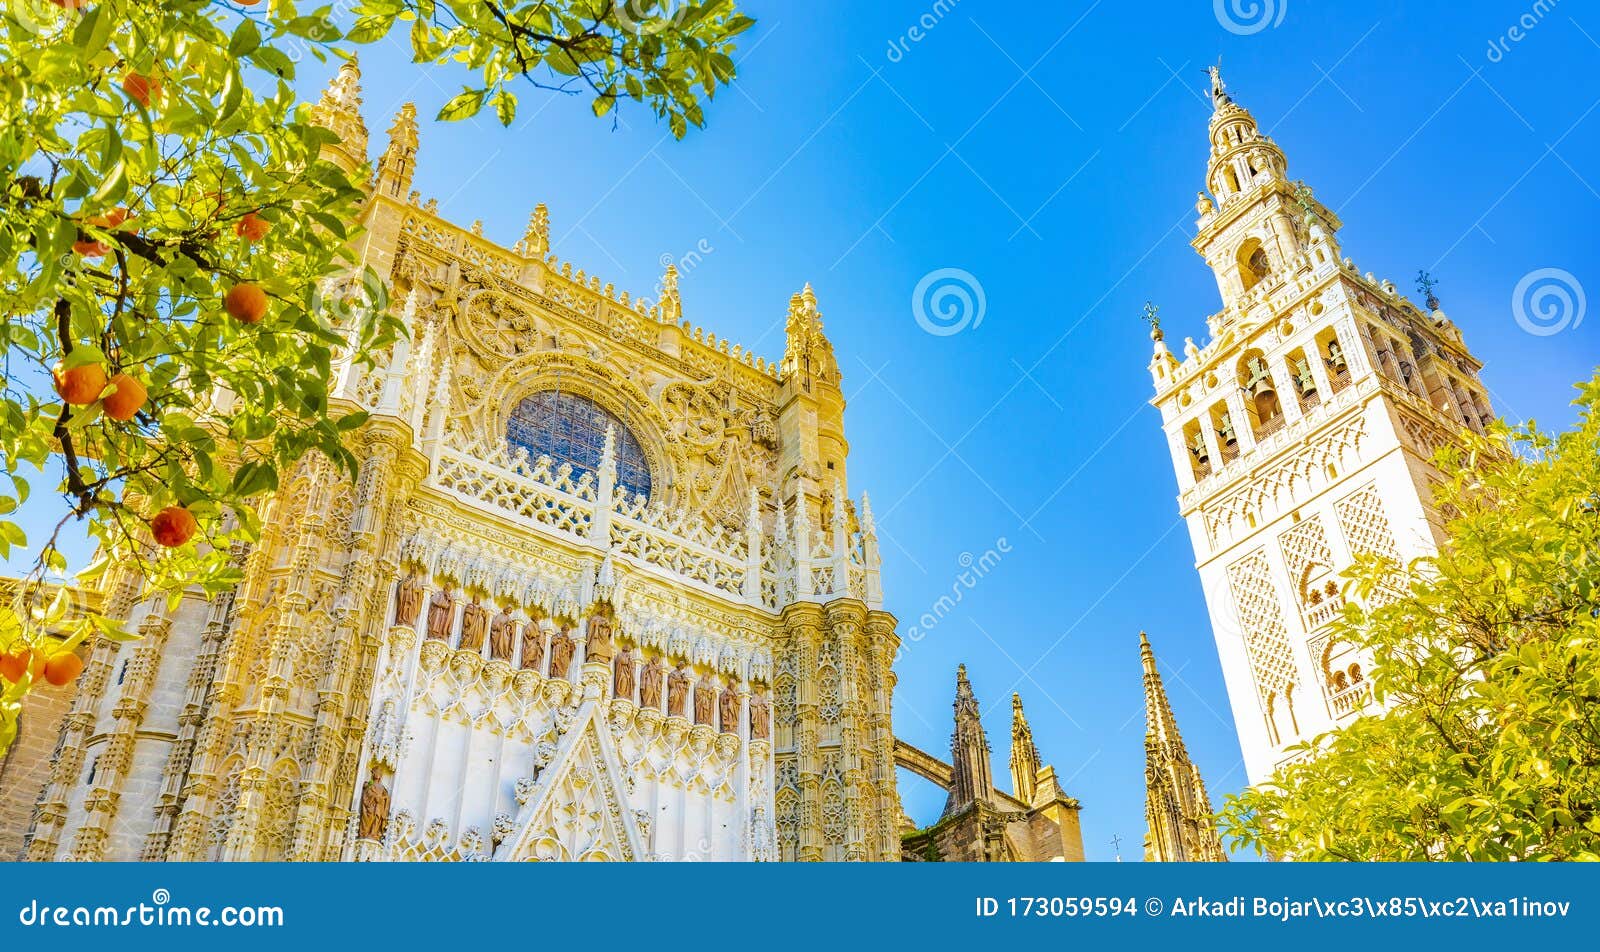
1152 316
1426 284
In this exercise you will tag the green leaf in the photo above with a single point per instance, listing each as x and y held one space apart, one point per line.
465 105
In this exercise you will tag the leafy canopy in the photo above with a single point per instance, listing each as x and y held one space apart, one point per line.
153 158
1488 665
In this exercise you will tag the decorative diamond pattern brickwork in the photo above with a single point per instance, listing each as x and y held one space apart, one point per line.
1366 527
1266 638
1304 546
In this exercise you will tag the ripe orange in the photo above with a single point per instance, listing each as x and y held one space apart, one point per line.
112 219
81 385
173 526
62 669
246 303
252 227
14 665
141 88
127 399
90 248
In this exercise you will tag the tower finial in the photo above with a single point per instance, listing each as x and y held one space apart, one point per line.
1152 316
1219 89
536 240
398 162
339 110
970 777
1177 807
1025 761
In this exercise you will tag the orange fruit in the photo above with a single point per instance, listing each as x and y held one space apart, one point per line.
126 400
14 665
246 303
112 219
252 227
62 669
71 4
81 385
141 88
90 248
173 526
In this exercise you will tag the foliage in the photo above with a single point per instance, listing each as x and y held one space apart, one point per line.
1488 667
154 156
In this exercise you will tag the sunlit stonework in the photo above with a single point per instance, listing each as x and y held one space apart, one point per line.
1301 434
598 593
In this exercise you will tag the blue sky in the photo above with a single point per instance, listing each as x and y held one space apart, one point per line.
1053 152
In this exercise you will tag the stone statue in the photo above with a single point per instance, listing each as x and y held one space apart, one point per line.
502 636
650 684
730 709
374 809
623 681
598 646
561 648
677 691
532 647
441 612
474 624
760 716
408 600
705 699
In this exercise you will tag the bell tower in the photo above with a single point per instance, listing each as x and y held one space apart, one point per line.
1301 434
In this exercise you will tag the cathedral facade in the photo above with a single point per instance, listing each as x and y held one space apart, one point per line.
1301 435
599 592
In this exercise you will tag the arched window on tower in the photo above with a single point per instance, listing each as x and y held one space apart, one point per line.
570 428
1263 406
1253 263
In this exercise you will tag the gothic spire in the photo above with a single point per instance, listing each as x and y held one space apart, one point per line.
971 777
807 351
536 240
1177 808
1024 755
1161 728
339 110
399 159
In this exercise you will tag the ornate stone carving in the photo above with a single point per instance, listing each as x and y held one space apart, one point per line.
408 599
561 650
677 691
623 680
598 645
705 699
760 716
532 647
474 625
729 709
650 684
441 614
374 809
502 636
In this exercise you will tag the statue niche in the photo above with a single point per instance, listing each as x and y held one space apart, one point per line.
408 599
650 684
561 649
677 691
502 636
441 613
474 625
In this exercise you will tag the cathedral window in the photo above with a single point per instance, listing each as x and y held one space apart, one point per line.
570 428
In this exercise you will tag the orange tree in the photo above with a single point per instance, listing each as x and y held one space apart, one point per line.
166 229
1487 666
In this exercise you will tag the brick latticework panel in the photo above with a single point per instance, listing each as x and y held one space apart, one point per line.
26 767
1266 638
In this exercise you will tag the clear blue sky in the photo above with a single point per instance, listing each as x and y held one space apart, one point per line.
1053 151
